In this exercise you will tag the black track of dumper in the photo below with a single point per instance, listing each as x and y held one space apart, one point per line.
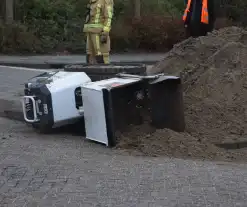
104 71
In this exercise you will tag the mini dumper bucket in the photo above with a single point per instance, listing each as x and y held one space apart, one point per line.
114 105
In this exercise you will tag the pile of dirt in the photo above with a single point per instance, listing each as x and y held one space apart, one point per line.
214 72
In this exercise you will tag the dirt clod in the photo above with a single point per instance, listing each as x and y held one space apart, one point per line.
214 73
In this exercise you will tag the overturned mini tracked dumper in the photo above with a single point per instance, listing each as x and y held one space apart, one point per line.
109 98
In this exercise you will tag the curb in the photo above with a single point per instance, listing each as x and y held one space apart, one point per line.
28 65
58 65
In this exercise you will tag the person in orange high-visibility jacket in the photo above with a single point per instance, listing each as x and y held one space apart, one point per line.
199 17
97 28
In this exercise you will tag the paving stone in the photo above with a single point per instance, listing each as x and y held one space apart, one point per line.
38 170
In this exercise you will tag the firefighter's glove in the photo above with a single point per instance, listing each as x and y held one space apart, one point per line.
103 38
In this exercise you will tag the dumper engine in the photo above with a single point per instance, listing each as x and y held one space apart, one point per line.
54 99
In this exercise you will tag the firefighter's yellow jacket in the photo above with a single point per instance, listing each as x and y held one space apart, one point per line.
99 16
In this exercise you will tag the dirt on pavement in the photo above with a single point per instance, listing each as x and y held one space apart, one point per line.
214 73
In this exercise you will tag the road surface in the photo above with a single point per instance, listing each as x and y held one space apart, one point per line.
65 170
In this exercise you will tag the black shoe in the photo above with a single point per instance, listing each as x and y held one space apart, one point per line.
99 59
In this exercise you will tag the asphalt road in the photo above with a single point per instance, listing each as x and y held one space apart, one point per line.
65 170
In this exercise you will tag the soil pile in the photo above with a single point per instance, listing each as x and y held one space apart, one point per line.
214 72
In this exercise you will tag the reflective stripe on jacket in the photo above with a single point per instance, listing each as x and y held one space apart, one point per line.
204 13
100 17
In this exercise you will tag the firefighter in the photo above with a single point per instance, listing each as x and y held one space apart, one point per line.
199 17
97 27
